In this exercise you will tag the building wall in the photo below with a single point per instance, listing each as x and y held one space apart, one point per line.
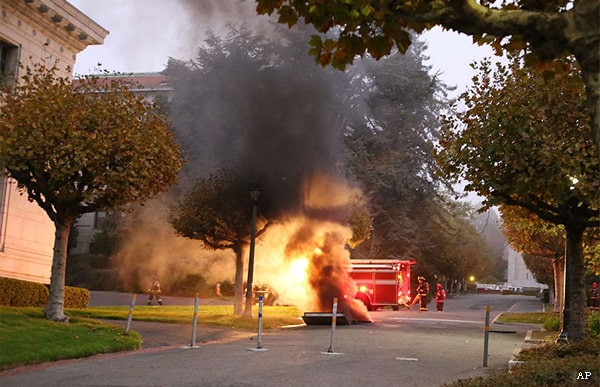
518 273
35 31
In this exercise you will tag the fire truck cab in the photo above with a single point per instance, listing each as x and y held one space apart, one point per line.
381 282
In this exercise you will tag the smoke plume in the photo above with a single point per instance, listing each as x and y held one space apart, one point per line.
282 132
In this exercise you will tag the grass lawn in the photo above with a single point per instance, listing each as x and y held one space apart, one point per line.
526 318
216 315
26 337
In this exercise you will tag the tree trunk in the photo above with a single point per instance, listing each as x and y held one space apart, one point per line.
585 48
55 309
573 316
238 299
557 268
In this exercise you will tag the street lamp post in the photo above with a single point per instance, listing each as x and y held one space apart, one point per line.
254 196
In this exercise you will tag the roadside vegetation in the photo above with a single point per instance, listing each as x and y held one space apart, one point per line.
550 363
27 337
216 315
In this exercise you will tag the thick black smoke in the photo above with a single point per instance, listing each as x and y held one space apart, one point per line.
261 107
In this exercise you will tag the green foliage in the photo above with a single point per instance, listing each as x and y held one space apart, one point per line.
76 297
541 242
524 141
215 211
543 126
552 323
15 292
80 149
217 315
375 27
93 272
388 153
593 324
103 243
551 364
227 288
84 148
189 285
26 338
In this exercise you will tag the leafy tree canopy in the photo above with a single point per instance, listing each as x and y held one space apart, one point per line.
216 211
500 146
523 141
80 149
545 29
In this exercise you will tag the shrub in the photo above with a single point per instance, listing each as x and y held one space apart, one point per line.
551 364
14 292
187 286
227 288
552 323
593 324
76 297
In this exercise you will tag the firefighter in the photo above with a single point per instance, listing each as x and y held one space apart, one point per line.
595 297
421 297
440 297
154 291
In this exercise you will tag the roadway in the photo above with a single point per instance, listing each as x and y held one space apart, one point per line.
401 348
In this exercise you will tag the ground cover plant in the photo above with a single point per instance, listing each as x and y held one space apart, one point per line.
27 337
216 315
551 363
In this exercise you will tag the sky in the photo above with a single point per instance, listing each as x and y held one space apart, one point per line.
145 33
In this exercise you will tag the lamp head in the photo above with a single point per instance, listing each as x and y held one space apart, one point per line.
255 194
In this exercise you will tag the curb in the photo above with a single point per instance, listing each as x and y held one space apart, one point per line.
528 343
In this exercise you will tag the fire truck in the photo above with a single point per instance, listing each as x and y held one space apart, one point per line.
381 282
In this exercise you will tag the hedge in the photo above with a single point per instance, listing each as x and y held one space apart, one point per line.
14 292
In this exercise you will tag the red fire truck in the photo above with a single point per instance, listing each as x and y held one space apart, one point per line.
381 282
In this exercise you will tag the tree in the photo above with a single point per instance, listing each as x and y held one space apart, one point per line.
75 150
388 152
542 244
455 250
388 148
523 142
547 29
217 212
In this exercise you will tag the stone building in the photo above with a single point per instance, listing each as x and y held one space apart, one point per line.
35 31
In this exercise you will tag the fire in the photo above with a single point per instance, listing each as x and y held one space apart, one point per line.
298 270
305 259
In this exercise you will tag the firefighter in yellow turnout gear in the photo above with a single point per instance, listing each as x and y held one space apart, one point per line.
421 297
154 291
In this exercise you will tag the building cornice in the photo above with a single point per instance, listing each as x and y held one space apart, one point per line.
60 20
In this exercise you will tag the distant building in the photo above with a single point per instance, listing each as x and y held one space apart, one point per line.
35 31
518 274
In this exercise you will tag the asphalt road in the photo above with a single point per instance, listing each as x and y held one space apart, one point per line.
400 348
